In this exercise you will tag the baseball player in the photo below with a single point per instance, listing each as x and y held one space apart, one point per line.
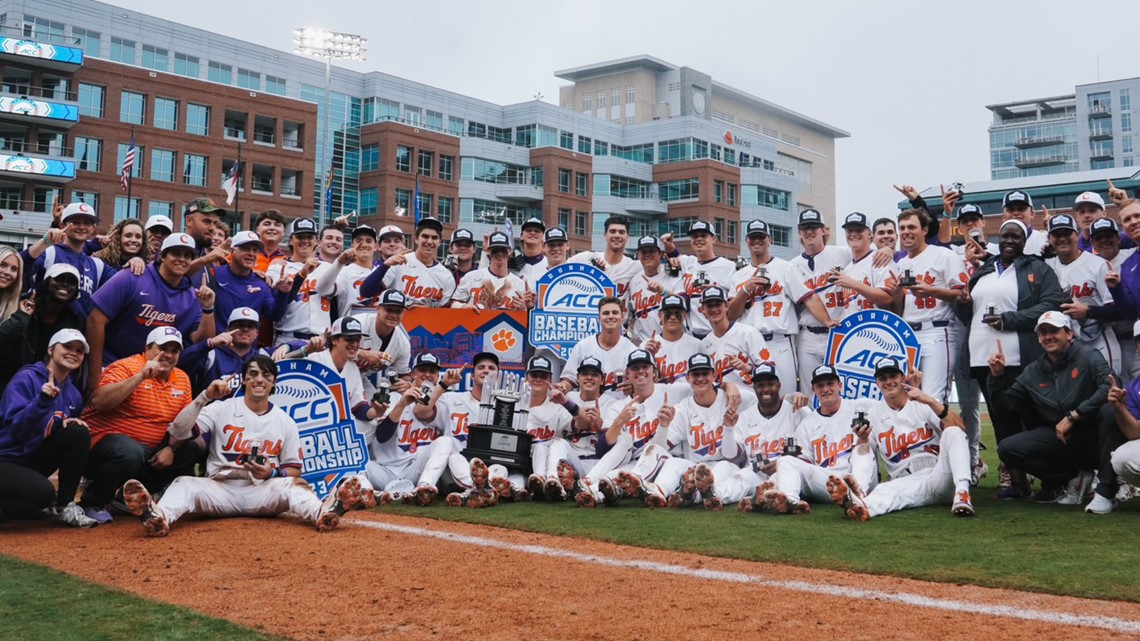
461 254
815 268
826 440
1082 276
763 434
494 287
253 465
609 346
1106 244
922 445
931 279
646 289
613 261
547 420
314 285
766 294
702 269
1018 205
864 285
734 347
355 264
385 348
577 452
672 347
554 245
423 279
532 239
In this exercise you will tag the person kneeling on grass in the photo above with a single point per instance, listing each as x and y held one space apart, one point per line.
253 466
922 444
40 434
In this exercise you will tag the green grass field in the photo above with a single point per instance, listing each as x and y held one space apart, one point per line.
38 604
1018 544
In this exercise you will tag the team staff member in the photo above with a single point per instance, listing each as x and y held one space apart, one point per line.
223 355
1106 243
25 334
423 279
40 434
270 229
1125 404
235 483
129 307
239 285
766 295
200 218
128 414
158 227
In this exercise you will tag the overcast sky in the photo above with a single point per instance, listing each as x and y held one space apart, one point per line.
909 80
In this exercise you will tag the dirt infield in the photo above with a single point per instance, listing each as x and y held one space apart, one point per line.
413 578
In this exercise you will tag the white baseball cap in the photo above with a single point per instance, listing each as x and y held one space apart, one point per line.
244 314
69 336
59 269
164 335
1054 319
388 230
78 209
1089 197
178 240
158 220
1136 330
244 238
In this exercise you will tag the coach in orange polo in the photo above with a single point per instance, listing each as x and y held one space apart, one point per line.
128 415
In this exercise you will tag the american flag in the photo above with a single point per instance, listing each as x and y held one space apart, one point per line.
128 164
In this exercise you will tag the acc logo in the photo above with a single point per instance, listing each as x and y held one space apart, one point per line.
862 339
316 397
566 309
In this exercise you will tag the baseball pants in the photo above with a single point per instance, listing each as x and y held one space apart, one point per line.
734 483
1126 462
933 486
938 356
561 450
617 459
425 468
24 486
969 395
192 495
782 354
1129 359
811 352
799 480
1109 348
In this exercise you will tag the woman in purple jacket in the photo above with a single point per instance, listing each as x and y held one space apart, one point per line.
39 434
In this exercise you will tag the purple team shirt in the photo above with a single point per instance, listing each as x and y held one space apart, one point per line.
135 305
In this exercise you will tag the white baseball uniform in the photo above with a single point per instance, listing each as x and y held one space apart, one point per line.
718 271
546 423
416 454
643 304
1084 280
827 442
740 340
579 448
433 285
759 437
773 312
864 271
613 360
473 288
397 345
672 358
308 312
813 272
930 317
621 273
348 299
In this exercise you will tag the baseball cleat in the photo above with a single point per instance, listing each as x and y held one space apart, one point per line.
139 502
477 499
611 493
714 504
553 490
425 494
962 505
455 499
776 501
383 499
585 498
521 496
845 496
689 483
502 487
479 474
744 506
704 478
567 476
349 495
629 485
534 485
761 490
675 501
654 497
854 485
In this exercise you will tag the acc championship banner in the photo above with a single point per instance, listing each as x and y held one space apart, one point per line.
863 338
457 335
566 309
316 397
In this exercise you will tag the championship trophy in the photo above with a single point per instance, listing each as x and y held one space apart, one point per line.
499 435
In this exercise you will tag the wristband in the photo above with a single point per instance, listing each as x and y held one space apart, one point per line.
945 410
207 310
443 385
304 351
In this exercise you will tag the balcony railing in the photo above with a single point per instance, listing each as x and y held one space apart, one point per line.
24 147
1039 161
1038 141
1100 134
289 143
263 137
1100 111
233 133
265 186
290 191
28 91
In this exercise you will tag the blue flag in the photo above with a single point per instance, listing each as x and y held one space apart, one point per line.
416 204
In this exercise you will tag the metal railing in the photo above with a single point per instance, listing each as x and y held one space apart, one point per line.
234 133
28 91
267 138
23 147
291 144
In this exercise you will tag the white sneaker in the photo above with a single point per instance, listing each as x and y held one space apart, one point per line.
73 515
1126 492
1100 505
978 473
1075 489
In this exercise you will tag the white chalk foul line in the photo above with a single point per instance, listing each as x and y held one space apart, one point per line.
907 598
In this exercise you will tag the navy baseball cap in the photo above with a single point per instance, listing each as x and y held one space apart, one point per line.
303 226
534 221
1104 225
484 356
363 230
855 219
822 372
462 235
1016 198
393 298
539 364
648 242
969 210
426 359
888 365
430 223
347 326
714 292
701 227
764 370
639 356
757 228
554 235
499 239
811 218
673 301
591 362
700 362
1062 221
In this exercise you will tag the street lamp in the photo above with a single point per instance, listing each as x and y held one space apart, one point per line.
319 43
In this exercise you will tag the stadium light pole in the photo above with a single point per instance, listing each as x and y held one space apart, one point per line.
319 43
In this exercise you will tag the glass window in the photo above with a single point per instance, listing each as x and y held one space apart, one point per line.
615 97
580 184
218 72
566 140
564 180
581 222
718 227
781 236
1126 122
684 189
547 136
370 158
732 227
766 197
132 108
731 195
434 120
249 79
524 136
601 148
585 145
446 167
89 197
166 114
426 163
630 95
160 208
499 134
369 201
137 169
90 100
123 51
87 153
126 208
197 119
476 129
275 85
155 58
564 219
718 194
455 125
88 41
423 204
162 165
43 199
194 170
185 65
586 102
403 158
1126 145
445 206
639 153
404 200
601 98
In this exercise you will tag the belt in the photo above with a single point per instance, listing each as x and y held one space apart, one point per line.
817 330
918 326
770 335
298 335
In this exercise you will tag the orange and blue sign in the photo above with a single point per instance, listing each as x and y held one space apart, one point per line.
860 340
566 309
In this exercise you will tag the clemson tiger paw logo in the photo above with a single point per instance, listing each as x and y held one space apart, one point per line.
765 355
503 340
